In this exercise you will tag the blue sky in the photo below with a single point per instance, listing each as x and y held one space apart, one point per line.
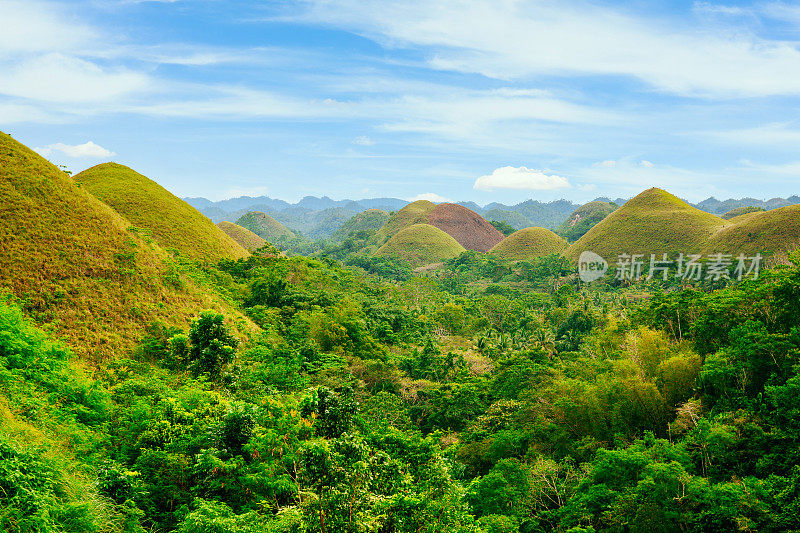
495 100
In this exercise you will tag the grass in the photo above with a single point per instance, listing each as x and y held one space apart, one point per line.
655 222
172 222
370 220
767 232
529 243
413 213
246 238
421 244
264 226
79 268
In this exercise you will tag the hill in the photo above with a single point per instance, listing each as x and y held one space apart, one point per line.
172 222
246 238
766 232
471 230
512 218
529 243
655 222
265 226
741 211
584 218
421 244
413 213
370 221
81 270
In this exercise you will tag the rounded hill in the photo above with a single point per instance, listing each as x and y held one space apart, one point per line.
172 222
85 273
265 226
529 243
246 238
421 244
370 221
471 230
765 232
739 211
654 222
585 218
413 213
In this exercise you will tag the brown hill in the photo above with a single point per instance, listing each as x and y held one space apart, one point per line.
471 230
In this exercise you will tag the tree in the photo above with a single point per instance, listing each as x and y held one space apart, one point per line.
212 345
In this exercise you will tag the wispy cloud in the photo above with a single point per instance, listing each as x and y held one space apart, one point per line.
429 196
520 178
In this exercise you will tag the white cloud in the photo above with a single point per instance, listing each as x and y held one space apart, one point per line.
88 149
430 196
646 164
516 40
767 134
609 163
363 140
520 178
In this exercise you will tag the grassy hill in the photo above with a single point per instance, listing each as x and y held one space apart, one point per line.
766 232
246 238
265 226
529 243
413 213
584 218
471 230
512 218
655 221
421 244
370 220
79 268
739 211
172 222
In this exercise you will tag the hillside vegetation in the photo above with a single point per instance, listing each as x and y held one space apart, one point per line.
767 232
741 211
585 218
246 238
370 221
173 223
265 226
471 230
78 266
421 244
654 222
529 243
413 213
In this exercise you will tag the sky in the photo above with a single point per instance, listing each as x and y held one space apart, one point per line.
481 100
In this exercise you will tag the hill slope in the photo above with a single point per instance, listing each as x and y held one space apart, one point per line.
79 268
653 222
172 222
370 220
584 218
421 244
246 238
413 213
739 211
471 230
529 243
766 232
265 226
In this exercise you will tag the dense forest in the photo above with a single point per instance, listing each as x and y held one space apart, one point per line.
484 396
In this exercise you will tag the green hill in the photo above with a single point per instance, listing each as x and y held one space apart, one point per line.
512 218
766 232
246 238
79 267
413 213
370 220
265 226
739 211
172 222
655 222
529 243
421 244
584 218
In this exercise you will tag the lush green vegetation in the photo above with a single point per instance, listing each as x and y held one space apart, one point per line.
349 393
585 218
529 243
741 211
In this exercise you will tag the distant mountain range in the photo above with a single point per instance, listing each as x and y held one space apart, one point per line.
321 217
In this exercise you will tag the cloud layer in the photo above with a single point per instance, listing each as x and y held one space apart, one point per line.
87 150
